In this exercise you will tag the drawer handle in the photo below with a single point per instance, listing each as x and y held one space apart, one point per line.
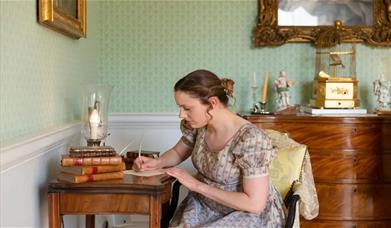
354 161
354 189
354 226
354 131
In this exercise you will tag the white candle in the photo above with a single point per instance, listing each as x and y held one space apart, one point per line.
255 80
264 88
94 123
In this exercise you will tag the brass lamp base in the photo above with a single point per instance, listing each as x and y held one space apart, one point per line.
93 142
260 109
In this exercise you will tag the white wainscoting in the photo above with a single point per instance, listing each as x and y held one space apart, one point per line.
160 131
26 167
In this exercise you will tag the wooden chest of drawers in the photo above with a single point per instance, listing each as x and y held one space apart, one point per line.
351 163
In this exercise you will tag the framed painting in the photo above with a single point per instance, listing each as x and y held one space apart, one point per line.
65 16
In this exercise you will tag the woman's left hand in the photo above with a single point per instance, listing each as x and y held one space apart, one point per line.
184 177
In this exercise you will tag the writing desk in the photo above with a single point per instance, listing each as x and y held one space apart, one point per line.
130 195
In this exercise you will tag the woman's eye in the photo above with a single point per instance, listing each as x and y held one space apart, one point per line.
186 109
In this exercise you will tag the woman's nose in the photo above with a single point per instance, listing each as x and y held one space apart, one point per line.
181 114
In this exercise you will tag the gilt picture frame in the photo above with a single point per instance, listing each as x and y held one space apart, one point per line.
268 32
65 16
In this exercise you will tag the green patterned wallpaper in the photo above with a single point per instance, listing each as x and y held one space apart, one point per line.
146 46
40 71
142 48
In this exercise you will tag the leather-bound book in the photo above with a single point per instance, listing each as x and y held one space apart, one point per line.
69 161
91 151
89 178
88 170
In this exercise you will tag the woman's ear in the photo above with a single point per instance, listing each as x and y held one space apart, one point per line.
214 101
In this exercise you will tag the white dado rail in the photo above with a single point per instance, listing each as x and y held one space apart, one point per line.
159 130
151 120
31 148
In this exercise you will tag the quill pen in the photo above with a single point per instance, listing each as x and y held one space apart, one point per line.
126 147
139 148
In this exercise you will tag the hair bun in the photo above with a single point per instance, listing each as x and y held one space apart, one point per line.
228 85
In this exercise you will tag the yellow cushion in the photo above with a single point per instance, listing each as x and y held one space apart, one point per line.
286 166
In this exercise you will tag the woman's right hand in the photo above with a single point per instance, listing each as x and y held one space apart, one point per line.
143 163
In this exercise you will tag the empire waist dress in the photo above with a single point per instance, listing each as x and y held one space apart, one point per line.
246 155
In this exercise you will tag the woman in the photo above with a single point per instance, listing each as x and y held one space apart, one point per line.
232 187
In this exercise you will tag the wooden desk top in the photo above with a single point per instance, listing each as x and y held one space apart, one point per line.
302 117
130 184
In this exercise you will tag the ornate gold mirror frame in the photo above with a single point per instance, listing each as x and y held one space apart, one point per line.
69 21
268 33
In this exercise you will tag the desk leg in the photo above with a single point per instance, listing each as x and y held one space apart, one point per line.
54 210
90 221
154 211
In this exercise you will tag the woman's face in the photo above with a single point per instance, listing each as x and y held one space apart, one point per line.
192 110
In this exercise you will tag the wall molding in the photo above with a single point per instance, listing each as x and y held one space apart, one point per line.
25 150
144 120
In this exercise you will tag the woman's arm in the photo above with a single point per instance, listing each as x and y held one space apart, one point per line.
172 157
175 155
252 199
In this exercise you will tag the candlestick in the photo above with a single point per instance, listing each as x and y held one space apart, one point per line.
254 93
255 80
264 88
94 123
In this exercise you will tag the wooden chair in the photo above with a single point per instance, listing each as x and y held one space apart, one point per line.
290 172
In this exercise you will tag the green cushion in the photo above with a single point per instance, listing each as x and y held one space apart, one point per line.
285 168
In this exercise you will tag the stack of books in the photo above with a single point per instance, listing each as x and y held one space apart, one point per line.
87 164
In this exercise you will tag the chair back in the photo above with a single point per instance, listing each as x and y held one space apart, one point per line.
285 169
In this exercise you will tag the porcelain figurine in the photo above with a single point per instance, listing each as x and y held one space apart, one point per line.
282 86
382 89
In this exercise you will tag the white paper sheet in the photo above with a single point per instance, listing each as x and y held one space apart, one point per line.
144 173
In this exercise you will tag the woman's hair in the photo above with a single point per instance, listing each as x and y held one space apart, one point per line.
203 84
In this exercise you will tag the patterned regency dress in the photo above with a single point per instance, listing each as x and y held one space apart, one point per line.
246 155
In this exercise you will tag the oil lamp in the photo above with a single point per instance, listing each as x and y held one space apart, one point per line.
95 113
